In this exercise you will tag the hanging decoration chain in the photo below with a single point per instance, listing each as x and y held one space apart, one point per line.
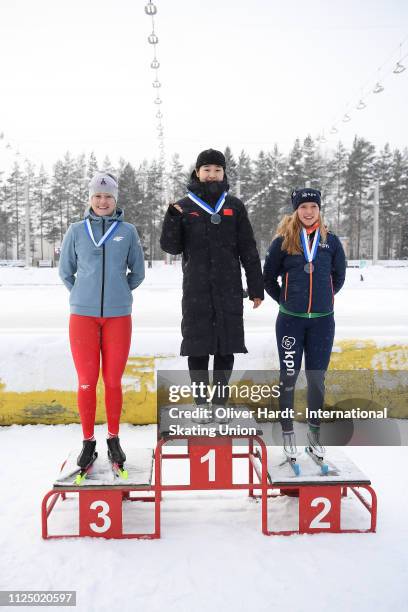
153 40
359 101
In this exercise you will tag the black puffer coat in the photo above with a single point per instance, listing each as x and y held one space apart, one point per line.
212 303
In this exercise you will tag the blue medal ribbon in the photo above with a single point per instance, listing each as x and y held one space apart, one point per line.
106 235
207 207
309 253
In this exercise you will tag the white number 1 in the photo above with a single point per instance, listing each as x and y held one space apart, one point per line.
210 457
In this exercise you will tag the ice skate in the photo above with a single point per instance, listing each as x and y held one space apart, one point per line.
87 455
85 460
314 446
117 457
290 450
316 450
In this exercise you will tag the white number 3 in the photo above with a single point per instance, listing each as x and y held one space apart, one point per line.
103 514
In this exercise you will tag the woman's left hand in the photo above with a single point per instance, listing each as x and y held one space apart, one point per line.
257 302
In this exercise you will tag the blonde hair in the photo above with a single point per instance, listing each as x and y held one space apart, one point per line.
290 227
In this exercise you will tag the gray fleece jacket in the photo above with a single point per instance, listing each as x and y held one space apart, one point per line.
101 279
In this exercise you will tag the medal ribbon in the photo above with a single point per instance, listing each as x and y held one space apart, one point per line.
309 253
106 235
205 206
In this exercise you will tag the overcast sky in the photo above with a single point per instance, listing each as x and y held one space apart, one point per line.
76 75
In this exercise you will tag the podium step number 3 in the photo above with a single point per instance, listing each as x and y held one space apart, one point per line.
100 513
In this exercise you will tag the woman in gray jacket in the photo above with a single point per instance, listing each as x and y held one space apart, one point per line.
101 263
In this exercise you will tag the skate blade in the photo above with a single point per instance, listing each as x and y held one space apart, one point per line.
80 479
85 471
327 469
120 472
292 464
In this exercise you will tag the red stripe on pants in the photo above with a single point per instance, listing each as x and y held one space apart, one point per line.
91 338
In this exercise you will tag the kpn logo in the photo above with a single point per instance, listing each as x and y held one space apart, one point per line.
288 342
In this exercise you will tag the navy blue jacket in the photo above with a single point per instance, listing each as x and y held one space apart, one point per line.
300 291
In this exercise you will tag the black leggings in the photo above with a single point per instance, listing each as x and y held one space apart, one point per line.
313 338
223 365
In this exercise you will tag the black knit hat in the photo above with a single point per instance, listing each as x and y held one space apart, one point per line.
210 156
307 194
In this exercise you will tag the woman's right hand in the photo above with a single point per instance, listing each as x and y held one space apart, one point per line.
178 207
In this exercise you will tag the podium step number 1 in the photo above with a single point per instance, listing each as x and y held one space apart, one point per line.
210 464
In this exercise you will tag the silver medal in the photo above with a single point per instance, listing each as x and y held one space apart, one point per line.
215 218
308 267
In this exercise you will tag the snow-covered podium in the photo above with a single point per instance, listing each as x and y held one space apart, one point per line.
321 504
309 503
211 461
97 510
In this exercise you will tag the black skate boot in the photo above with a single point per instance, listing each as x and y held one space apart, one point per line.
116 456
85 459
87 455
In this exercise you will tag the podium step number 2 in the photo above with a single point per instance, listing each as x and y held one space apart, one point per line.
319 509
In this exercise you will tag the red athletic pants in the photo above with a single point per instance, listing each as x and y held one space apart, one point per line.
91 337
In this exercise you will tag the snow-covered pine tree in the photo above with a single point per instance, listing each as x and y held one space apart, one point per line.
39 192
130 199
384 172
244 174
14 203
177 179
232 169
359 176
260 207
92 166
295 174
334 199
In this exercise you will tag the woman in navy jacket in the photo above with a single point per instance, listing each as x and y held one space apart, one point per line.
311 263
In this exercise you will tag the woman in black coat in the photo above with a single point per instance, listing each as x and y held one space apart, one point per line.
212 230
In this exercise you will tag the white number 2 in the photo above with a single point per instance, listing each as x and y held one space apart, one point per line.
103 514
317 521
210 457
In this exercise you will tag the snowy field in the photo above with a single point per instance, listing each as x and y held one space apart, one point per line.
34 318
35 299
212 555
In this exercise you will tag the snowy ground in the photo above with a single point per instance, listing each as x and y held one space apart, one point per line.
34 317
212 555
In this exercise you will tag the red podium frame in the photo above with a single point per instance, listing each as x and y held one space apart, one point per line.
319 504
319 492
118 491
